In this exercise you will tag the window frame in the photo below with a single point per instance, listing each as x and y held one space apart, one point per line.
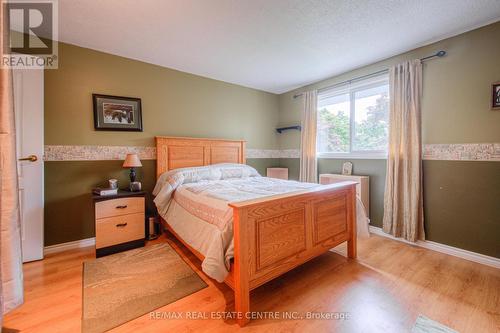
356 154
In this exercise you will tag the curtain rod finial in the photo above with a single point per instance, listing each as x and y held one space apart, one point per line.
441 53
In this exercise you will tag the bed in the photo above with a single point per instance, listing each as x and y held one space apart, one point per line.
233 220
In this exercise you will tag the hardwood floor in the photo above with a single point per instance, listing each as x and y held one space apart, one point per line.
389 285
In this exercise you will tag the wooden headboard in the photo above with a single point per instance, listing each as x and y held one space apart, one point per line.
178 152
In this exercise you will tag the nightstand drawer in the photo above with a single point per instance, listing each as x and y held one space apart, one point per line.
119 206
119 229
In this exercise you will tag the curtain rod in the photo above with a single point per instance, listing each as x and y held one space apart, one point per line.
438 54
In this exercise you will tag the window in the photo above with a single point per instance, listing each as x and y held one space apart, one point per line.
353 119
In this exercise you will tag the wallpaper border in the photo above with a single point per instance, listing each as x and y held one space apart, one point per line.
96 153
463 152
444 152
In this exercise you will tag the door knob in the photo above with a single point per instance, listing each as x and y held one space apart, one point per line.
31 158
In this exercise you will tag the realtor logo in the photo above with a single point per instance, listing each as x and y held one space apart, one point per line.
32 34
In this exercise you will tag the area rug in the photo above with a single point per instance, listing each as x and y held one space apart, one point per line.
127 285
426 325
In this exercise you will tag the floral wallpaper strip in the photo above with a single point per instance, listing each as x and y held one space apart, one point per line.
273 153
96 153
290 153
449 152
102 153
463 152
262 153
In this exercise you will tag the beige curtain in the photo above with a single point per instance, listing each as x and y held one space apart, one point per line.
403 213
308 164
11 274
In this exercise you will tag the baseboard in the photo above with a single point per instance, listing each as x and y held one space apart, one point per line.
69 246
450 250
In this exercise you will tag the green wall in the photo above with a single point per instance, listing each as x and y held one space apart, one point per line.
173 103
461 197
462 204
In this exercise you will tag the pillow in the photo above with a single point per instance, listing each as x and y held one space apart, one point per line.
238 171
219 171
186 175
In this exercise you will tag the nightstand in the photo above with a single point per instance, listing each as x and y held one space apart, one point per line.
119 222
279 173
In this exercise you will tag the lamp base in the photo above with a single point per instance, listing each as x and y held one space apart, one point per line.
135 186
132 175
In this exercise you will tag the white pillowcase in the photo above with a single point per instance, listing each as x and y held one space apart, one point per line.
208 172
171 180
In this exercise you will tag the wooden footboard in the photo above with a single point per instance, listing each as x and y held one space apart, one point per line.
272 235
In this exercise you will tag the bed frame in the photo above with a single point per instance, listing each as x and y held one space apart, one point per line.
315 220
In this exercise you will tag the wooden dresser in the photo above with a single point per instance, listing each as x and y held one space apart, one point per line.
119 222
362 188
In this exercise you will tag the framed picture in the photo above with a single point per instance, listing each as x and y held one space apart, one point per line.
115 113
347 168
495 96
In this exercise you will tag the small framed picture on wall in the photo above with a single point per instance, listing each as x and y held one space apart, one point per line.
116 113
495 96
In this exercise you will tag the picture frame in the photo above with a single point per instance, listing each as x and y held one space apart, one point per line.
117 113
495 96
347 168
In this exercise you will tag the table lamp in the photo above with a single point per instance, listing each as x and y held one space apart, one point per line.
132 161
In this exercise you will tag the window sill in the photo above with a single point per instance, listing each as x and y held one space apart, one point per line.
357 156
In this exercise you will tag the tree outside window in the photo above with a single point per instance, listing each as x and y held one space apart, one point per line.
354 121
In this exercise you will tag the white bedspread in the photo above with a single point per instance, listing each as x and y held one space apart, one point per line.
209 200
198 210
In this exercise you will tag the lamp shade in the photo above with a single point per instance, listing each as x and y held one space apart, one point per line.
132 161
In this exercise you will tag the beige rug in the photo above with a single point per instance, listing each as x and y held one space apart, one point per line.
124 286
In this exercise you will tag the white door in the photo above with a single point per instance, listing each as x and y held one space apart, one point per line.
28 107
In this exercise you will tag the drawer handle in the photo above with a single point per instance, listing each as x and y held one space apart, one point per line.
121 207
120 225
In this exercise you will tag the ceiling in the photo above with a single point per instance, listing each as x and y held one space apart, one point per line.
271 45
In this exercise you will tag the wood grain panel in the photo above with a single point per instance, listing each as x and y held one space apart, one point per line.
362 188
248 218
221 154
119 229
119 206
330 218
178 152
180 157
280 237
